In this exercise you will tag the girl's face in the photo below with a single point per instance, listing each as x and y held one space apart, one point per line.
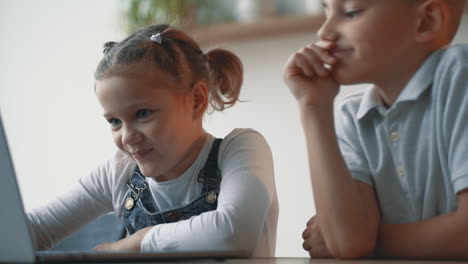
152 120
372 38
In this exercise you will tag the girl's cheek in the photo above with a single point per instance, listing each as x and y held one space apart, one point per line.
118 141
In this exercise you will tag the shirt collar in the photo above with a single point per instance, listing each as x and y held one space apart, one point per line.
369 101
420 82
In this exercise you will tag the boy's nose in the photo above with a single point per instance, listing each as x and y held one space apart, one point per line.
327 31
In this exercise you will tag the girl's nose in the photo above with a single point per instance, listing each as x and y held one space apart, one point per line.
131 136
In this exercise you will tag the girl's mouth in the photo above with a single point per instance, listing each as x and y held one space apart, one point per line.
141 154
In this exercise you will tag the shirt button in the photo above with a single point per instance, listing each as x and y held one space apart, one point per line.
400 171
395 136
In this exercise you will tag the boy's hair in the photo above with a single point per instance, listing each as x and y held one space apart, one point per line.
180 57
457 8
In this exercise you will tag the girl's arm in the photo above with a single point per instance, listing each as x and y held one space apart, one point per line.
245 201
89 198
130 243
348 216
75 207
444 236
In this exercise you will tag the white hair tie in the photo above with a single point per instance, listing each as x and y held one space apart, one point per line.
156 38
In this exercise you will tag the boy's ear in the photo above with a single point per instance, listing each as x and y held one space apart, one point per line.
433 20
200 99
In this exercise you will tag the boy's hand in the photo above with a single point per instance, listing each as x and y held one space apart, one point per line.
308 78
130 243
313 240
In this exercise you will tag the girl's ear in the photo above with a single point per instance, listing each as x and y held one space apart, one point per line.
433 21
199 94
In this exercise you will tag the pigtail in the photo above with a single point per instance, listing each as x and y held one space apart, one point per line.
176 53
225 72
106 61
107 47
220 68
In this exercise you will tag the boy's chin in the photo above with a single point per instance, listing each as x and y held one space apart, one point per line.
346 78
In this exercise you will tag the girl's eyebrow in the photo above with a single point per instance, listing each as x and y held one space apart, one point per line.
135 106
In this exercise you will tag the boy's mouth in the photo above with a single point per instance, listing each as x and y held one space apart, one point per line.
341 52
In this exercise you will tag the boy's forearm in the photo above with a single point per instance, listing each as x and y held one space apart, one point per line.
444 236
342 213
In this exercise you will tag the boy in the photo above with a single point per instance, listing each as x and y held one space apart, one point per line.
390 171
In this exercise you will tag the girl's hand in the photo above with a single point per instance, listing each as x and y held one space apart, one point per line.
125 244
130 243
313 240
308 78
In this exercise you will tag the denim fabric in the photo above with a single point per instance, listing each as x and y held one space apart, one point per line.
144 212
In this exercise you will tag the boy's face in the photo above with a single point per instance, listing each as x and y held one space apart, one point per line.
372 38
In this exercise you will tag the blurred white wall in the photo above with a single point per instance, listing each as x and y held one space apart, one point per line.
49 50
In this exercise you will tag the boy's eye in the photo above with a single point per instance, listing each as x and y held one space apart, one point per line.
143 113
352 14
114 122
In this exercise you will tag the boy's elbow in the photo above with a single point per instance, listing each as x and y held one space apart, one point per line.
353 249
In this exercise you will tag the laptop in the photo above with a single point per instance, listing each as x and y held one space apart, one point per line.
16 241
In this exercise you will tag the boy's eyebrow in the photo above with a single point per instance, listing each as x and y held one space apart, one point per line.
324 4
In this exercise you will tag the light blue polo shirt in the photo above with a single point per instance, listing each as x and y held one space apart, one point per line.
414 154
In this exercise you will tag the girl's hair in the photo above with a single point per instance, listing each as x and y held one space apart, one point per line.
179 56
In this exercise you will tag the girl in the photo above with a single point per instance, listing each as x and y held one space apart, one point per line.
177 188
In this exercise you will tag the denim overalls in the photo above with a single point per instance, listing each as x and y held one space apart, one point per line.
140 210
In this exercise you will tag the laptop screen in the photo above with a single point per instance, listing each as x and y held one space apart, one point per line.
15 239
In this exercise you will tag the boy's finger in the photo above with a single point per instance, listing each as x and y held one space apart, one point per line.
297 64
306 233
318 58
327 45
306 246
319 68
325 55
310 59
304 65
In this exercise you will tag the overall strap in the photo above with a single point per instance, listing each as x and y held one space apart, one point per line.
138 187
210 175
143 211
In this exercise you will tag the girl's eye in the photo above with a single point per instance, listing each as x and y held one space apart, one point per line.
143 113
114 122
352 14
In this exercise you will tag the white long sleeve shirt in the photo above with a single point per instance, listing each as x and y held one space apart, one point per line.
244 222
